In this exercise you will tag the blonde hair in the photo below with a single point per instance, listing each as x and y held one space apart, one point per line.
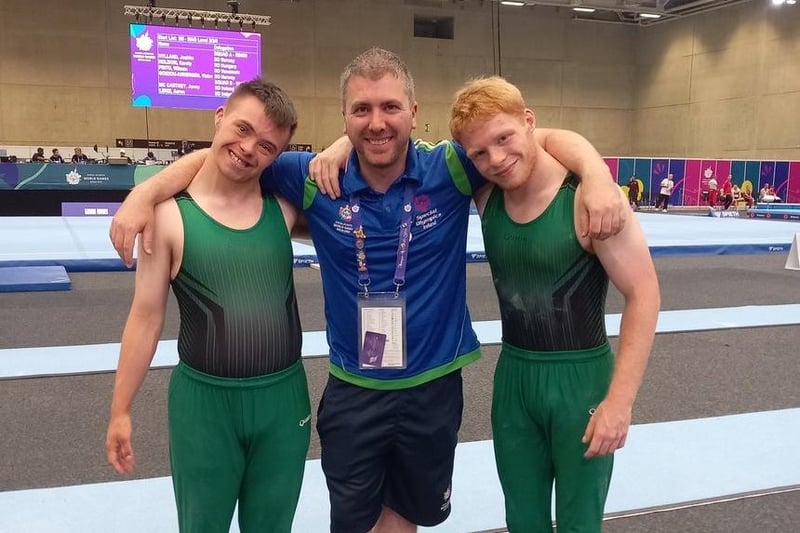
482 98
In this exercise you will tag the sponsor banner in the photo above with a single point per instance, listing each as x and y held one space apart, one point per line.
55 176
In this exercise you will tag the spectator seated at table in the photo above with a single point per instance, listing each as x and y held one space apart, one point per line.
768 195
38 157
79 156
56 157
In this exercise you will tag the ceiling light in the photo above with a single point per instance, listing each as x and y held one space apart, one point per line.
649 16
512 3
191 15
778 2
791 2
584 9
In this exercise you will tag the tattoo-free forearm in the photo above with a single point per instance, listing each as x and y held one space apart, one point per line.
635 344
137 348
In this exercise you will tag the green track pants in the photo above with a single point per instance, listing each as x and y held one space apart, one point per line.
241 440
541 405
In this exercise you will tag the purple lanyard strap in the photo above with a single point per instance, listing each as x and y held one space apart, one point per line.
402 247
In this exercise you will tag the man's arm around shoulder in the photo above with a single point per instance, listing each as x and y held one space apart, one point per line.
603 213
135 215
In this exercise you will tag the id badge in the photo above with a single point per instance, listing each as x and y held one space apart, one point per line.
382 331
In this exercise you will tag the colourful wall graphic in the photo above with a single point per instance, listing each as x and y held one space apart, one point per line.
691 177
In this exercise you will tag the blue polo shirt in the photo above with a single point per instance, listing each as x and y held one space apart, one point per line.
439 335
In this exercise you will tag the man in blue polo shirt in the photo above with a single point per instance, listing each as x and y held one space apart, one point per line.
391 251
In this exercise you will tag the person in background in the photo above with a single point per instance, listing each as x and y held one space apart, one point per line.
772 195
665 192
727 193
184 148
713 191
741 195
124 155
562 401
747 197
38 157
79 156
56 157
149 157
633 193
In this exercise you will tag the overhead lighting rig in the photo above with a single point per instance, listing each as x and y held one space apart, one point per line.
217 17
640 12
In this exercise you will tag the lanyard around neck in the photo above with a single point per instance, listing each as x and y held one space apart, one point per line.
402 246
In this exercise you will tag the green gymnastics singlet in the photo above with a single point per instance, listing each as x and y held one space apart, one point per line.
235 290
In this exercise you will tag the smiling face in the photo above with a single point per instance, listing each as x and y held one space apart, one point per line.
502 148
489 118
246 140
378 119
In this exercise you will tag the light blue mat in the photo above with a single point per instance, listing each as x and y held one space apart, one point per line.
82 359
663 464
81 243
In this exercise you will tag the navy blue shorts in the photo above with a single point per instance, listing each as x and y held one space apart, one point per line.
394 448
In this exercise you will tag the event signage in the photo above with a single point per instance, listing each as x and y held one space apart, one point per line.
190 68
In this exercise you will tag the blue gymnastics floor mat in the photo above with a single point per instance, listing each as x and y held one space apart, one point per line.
34 278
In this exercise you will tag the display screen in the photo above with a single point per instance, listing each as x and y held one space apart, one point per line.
190 68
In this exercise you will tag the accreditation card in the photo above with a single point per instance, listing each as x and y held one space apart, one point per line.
382 331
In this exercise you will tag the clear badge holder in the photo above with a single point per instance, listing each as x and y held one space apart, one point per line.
382 331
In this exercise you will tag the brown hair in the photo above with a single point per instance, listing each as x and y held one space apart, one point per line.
277 104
